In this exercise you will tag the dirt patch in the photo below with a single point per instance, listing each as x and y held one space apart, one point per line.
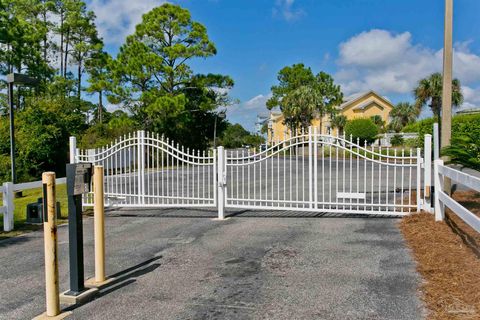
279 260
447 263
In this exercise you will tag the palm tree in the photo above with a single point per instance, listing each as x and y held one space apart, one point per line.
339 121
429 92
464 151
402 114
377 119
299 108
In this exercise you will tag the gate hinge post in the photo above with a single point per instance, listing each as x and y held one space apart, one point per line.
222 182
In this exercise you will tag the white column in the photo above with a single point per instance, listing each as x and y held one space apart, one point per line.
427 179
221 180
315 167
439 207
310 168
436 142
73 149
141 165
8 220
419 178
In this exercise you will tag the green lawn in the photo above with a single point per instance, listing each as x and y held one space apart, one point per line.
20 213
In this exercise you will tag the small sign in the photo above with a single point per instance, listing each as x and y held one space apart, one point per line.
351 195
82 177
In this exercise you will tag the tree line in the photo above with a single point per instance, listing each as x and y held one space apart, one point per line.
57 42
302 96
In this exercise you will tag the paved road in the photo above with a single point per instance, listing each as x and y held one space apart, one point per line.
255 265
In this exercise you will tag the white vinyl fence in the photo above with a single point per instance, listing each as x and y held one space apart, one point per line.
8 206
442 199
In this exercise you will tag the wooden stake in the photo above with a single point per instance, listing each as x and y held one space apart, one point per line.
51 247
99 222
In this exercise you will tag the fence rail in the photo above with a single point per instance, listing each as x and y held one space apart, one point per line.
442 199
8 206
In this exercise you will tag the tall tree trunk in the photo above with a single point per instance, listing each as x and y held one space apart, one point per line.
61 42
100 106
321 123
79 82
65 60
44 16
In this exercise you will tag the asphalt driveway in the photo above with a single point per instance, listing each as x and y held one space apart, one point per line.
182 264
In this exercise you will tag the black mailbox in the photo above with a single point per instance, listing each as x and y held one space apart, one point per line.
35 211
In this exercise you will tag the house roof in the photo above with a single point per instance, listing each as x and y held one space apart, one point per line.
357 96
469 111
365 105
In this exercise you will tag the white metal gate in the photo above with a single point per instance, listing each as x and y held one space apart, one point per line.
324 173
304 172
145 170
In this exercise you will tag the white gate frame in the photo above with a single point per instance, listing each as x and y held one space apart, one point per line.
271 199
143 142
144 158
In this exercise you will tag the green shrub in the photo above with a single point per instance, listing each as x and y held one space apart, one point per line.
411 143
464 151
397 140
362 129
462 125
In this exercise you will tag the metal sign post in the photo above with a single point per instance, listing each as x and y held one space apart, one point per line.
79 176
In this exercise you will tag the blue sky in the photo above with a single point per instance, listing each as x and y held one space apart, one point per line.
384 45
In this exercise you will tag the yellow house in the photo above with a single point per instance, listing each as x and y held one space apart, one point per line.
360 105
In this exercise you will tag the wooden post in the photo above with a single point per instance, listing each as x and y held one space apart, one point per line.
99 222
446 126
51 250
51 247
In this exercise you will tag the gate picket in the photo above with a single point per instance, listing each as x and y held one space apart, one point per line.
145 170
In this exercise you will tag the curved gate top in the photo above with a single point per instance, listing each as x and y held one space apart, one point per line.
144 169
325 173
304 172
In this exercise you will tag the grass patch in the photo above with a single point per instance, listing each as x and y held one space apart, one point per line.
20 212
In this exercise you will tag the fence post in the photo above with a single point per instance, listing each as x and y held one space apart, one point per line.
427 179
8 214
315 167
310 173
419 178
436 142
73 149
140 165
221 180
438 179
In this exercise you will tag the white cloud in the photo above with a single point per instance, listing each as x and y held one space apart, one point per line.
117 18
246 112
286 10
392 64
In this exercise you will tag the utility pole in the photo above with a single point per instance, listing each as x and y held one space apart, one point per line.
446 125
18 79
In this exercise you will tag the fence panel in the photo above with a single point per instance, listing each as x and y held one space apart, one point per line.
147 170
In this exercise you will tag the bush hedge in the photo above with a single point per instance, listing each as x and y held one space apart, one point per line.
397 140
462 125
362 129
